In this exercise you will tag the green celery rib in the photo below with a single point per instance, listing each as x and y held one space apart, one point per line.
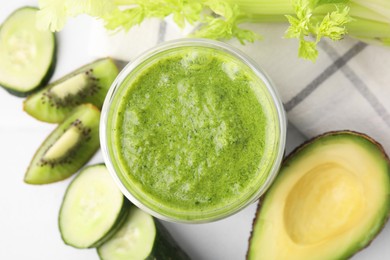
368 24
378 10
362 28
265 7
378 6
360 11
261 18
125 2
370 20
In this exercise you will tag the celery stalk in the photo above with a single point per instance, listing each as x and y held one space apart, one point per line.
310 20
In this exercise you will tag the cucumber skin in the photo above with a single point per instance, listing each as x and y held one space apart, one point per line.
46 78
122 215
164 248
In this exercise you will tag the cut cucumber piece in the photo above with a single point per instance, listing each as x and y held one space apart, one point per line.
27 55
67 148
141 237
88 84
93 208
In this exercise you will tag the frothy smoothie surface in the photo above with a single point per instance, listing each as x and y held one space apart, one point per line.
194 131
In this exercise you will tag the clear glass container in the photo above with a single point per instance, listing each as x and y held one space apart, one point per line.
111 152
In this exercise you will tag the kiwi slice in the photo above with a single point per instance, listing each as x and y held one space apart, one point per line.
88 84
67 148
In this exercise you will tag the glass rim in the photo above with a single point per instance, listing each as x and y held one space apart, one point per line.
257 70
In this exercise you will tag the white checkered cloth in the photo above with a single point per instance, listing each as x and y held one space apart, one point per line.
347 88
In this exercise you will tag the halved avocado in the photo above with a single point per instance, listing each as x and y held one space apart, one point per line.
330 199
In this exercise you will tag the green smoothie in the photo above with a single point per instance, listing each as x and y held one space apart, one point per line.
194 132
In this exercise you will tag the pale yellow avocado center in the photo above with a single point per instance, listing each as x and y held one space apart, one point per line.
330 199
325 202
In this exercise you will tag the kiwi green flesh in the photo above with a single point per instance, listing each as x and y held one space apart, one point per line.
67 148
88 84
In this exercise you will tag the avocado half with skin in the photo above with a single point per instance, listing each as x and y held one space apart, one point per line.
330 199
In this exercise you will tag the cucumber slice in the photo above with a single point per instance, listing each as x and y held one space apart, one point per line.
88 84
27 55
141 237
67 148
93 208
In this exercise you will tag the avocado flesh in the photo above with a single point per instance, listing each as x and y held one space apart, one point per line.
330 199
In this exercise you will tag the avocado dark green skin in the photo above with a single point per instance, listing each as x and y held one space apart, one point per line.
49 73
286 161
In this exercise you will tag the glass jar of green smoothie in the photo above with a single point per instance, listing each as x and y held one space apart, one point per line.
193 131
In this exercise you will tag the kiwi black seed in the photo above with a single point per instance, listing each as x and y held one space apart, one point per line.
84 135
88 84
67 148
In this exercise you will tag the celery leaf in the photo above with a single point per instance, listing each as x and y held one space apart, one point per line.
222 8
219 18
332 26
225 25
124 19
307 50
53 14
309 30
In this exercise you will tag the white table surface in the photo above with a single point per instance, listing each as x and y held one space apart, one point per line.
28 214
